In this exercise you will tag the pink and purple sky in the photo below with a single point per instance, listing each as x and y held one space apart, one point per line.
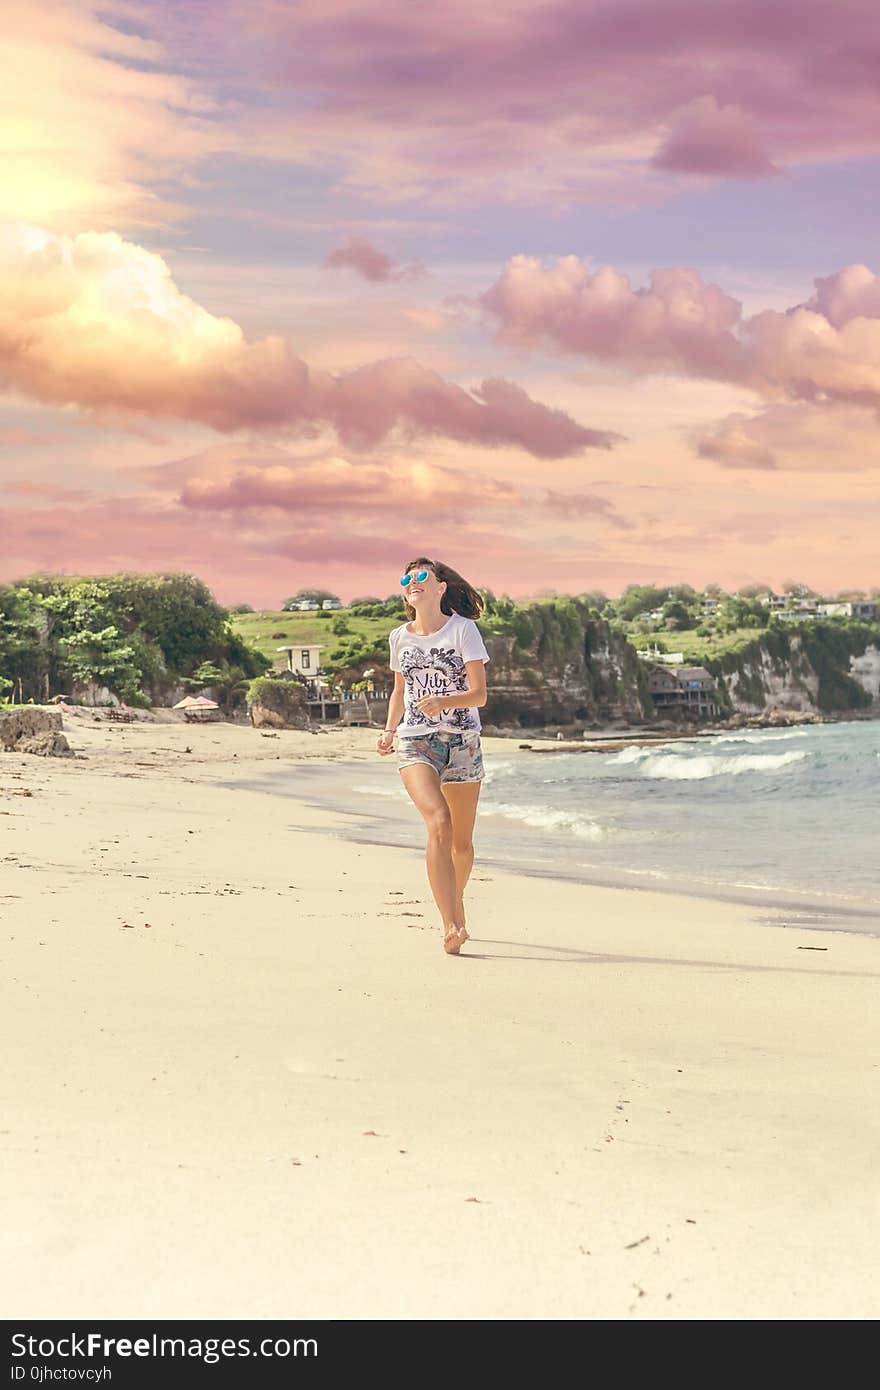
569 293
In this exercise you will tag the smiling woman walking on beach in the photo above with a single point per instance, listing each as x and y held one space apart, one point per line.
439 684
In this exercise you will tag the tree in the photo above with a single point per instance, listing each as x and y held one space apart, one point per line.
675 616
798 589
685 592
23 636
207 674
131 632
302 595
101 657
595 598
639 598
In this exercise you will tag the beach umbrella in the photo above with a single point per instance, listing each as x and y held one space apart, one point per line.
196 702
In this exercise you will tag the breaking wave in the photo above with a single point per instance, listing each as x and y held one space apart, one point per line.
760 736
689 768
629 755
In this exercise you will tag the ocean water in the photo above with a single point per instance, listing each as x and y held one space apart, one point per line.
781 818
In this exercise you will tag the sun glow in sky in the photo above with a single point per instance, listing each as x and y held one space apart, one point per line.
567 293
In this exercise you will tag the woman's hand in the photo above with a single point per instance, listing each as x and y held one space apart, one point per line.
431 704
385 743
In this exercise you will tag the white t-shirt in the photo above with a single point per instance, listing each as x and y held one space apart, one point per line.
435 665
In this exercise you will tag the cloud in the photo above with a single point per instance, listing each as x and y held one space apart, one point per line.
709 139
732 445
258 559
359 254
98 322
677 324
562 100
97 121
797 437
825 349
221 481
334 486
119 114
853 292
51 491
585 504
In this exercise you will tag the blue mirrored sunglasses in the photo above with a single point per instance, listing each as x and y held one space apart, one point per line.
420 576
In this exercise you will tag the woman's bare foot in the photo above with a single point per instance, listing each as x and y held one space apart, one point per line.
454 938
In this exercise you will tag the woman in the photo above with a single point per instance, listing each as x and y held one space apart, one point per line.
439 684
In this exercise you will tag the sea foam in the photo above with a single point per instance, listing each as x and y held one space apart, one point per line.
545 818
760 736
684 768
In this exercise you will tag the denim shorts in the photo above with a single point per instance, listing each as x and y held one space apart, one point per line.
455 757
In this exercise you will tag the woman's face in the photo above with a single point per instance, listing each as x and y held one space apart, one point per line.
421 592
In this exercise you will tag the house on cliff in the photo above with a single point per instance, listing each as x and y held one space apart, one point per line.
304 661
687 688
862 608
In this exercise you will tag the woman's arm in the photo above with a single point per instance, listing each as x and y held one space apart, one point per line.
472 698
395 704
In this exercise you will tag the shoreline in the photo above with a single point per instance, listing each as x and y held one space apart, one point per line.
245 1080
332 744
783 907
654 733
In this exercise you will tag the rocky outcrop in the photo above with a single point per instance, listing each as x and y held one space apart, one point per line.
278 704
34 731
564 667
824 668
91 693
48 745
865 669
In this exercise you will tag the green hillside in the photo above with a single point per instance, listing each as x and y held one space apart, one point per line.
343 637
697 648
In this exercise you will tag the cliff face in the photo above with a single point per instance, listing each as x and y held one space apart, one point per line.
866 670
561 665
819 667
769 679
564 668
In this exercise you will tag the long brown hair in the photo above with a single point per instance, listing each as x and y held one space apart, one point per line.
458 597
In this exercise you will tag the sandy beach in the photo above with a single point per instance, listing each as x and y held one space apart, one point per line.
243 1079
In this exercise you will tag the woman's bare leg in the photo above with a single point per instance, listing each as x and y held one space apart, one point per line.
462 798
423 785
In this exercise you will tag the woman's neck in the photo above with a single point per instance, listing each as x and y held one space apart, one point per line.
423 624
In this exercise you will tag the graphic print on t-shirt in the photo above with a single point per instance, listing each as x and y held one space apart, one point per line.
439 671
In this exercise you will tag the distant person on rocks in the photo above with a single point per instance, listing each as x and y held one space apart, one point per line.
438 658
